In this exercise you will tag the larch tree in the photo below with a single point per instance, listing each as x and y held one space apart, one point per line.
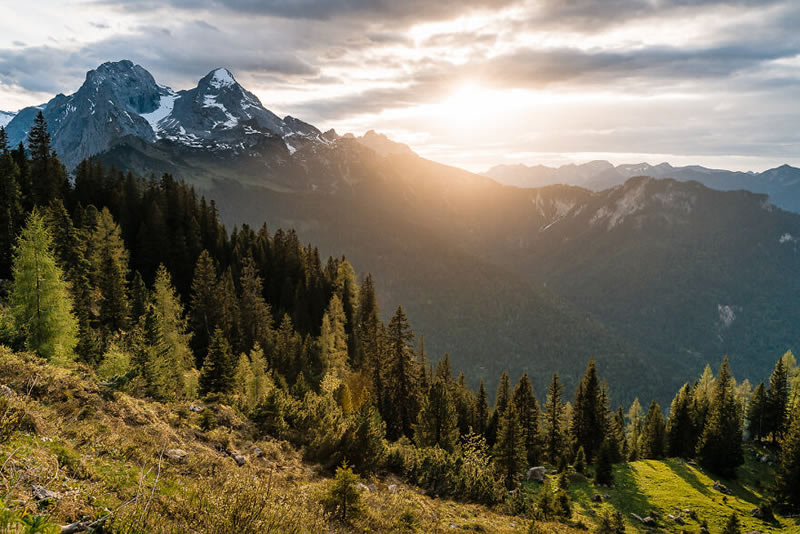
40 303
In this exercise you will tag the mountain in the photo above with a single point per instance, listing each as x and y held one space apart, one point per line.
120 100
5 117
651 277
782 184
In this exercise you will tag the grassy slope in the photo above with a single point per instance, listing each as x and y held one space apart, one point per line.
100 450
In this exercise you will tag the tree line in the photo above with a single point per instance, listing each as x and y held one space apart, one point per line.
138 279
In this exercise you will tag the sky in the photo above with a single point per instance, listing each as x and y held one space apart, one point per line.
472 83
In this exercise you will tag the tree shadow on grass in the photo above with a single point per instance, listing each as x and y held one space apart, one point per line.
626 495
686 472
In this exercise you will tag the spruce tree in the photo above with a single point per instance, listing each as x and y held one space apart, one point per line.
589 413
48 176
653 433
528 409
720 446
757 413
509 450
552 428
681 433
158 377
501 400
205 306
777 401
255 314
788 479
437 422
41 306
11 211
481 410
604 468
219 367
402 378
365 443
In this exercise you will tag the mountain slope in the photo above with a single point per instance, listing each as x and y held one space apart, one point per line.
782 184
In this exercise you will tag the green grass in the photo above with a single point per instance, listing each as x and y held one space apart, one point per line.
659 485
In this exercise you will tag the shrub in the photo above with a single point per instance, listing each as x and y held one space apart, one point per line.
611 522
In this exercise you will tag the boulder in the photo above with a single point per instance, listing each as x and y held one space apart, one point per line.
392 488
372 487
597 498
40 493
722 489
535 473
176 455
240 459
362 487
196 408
6 391
764 459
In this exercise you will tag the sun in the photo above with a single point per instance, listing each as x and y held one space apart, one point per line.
466 102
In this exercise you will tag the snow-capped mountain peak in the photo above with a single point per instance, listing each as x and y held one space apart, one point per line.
222 78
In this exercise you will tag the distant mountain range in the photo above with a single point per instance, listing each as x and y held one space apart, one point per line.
651 277
782 184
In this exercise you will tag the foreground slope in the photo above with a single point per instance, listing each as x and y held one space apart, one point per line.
138 466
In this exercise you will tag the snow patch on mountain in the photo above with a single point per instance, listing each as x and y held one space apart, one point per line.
727 314
5 117
787 238
165 106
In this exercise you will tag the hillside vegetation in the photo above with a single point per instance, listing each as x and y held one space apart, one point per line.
108 455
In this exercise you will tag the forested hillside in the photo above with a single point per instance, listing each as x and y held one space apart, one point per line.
122 288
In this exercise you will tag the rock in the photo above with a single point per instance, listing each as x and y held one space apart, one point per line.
535 473
722 489
258 453
372 487
40 493
6 391
452 525
362 487
597 498
676 518
240 459
649 521
764 459
196 408
392 488
176 455
606 496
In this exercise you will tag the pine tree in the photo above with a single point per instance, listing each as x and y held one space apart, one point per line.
219 368
681 433
788 479
653 433
481 410
777 401
720 446
589 413
41 306
528 409
757 413
509 450
402 378
552 428
437 422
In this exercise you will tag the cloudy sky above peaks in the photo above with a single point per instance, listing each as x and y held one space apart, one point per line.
468 82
